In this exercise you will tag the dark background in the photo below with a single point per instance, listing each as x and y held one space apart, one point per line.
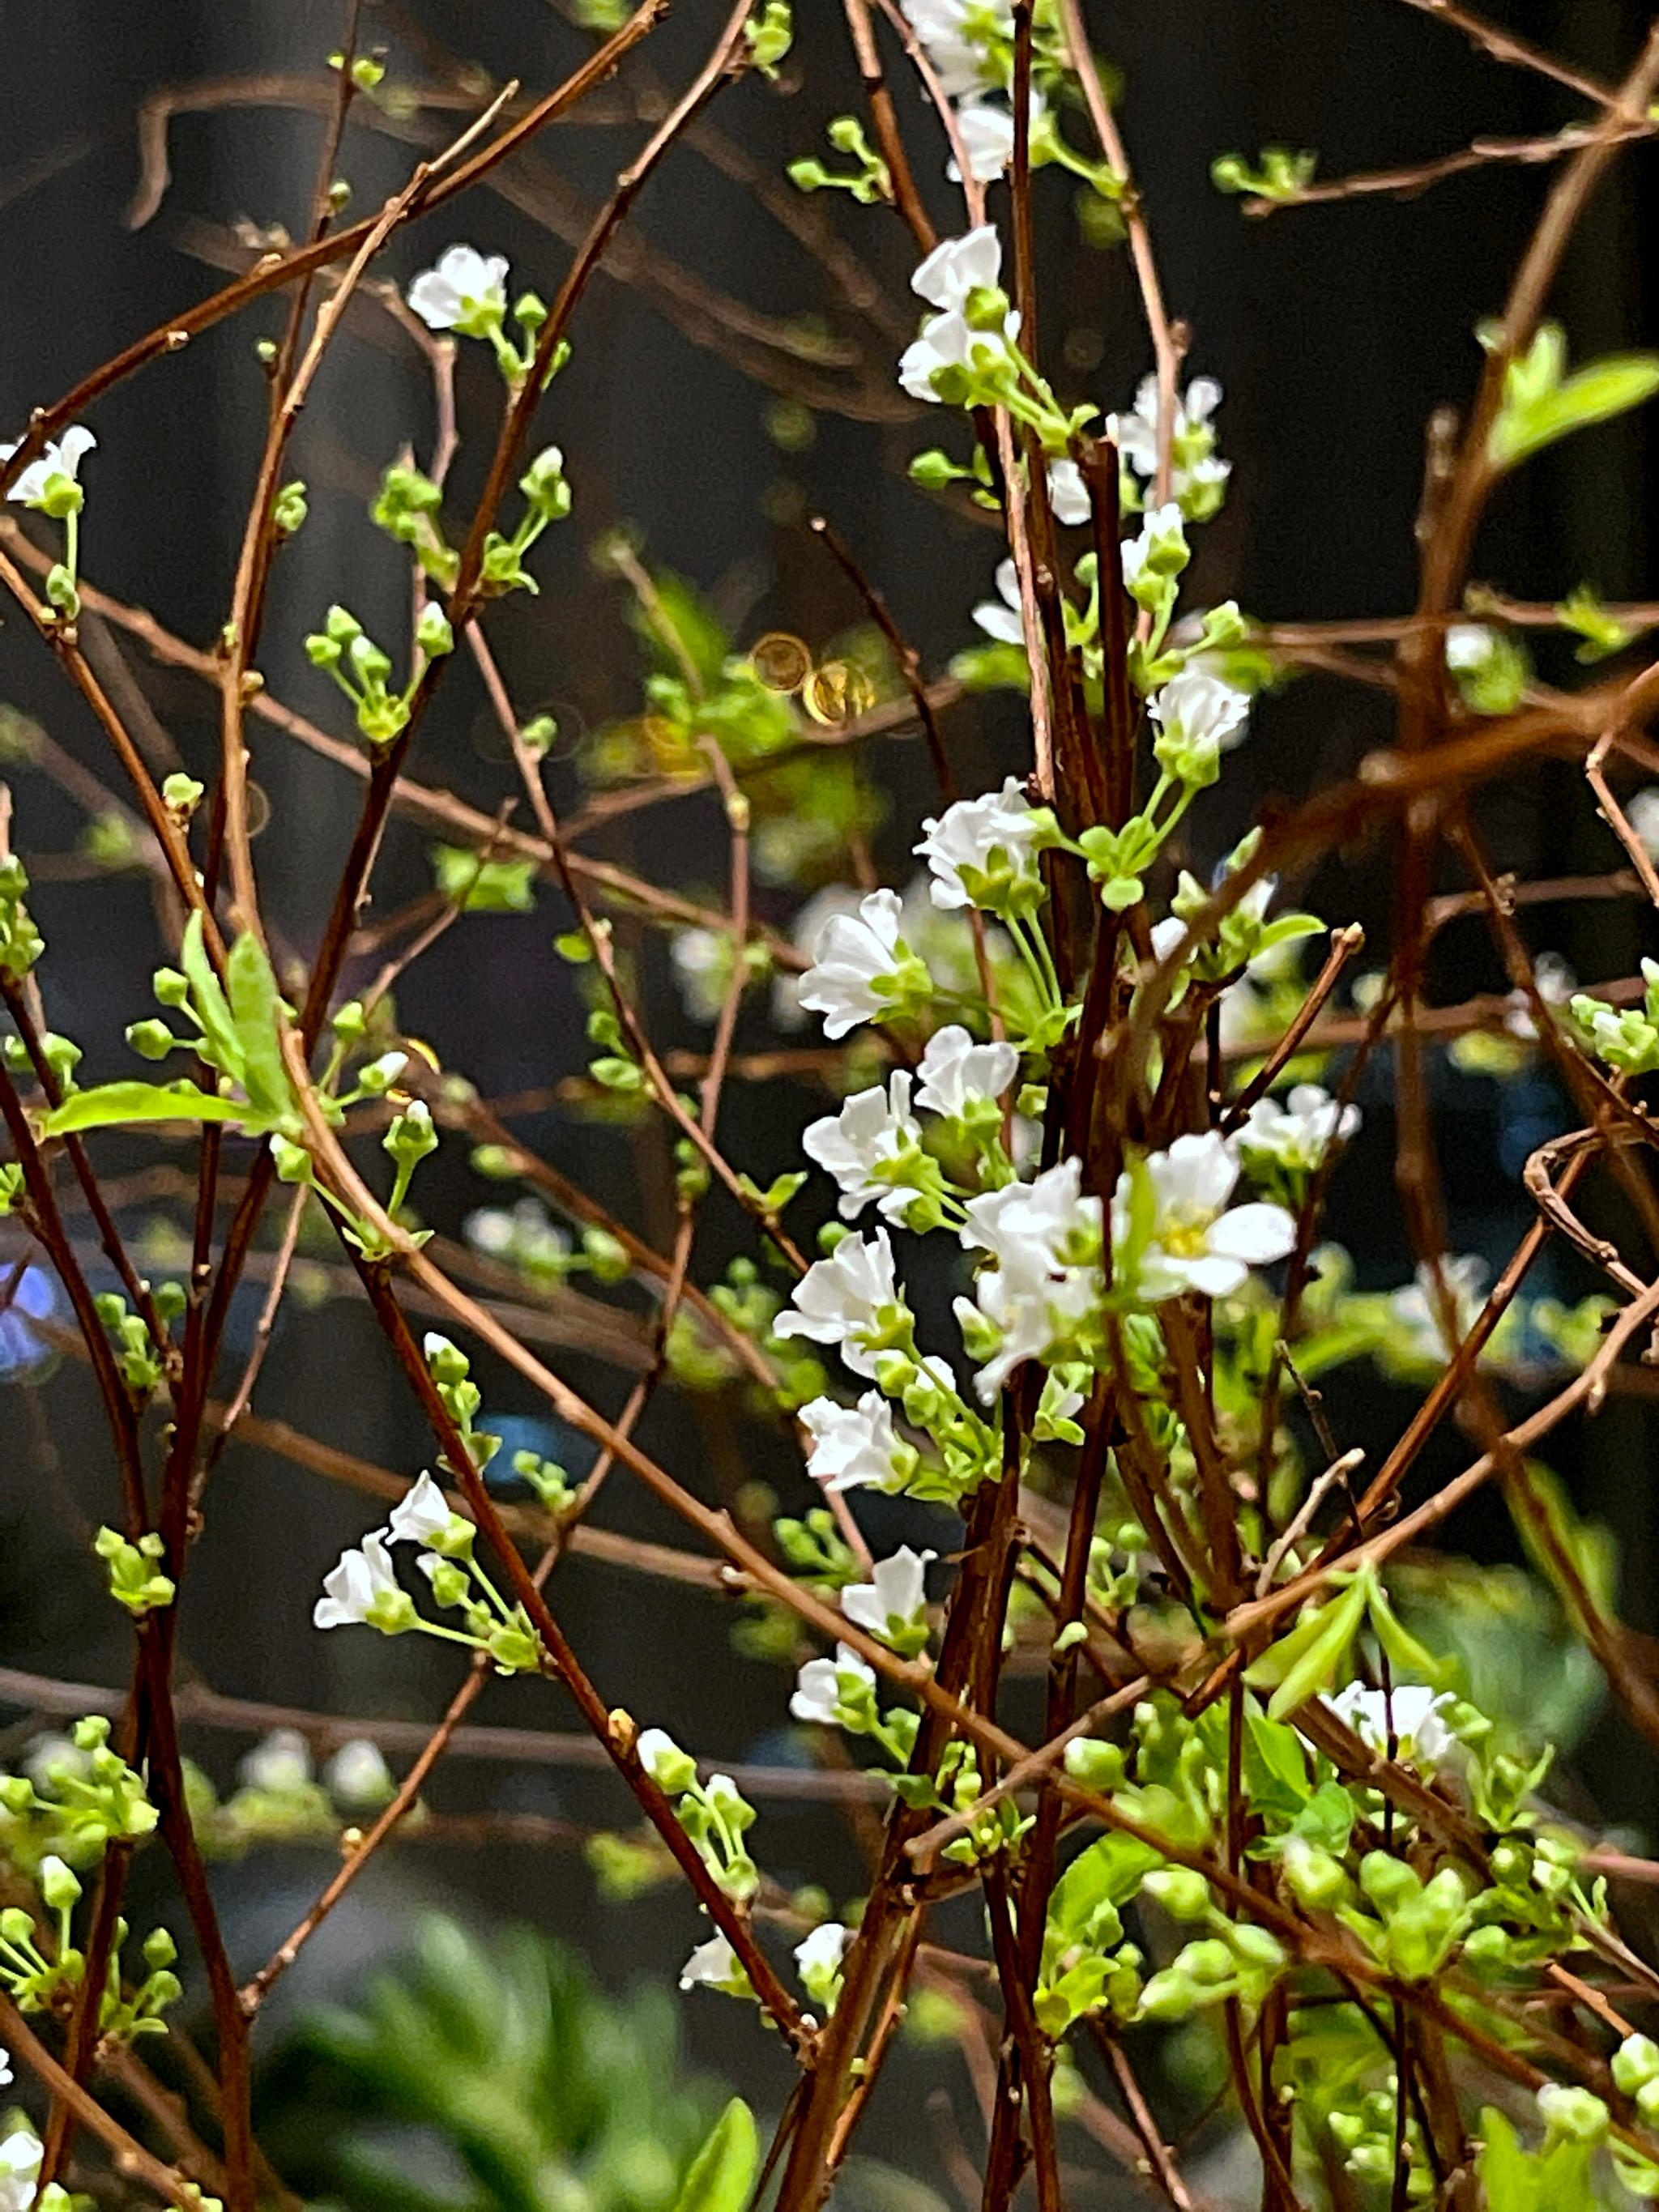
1335 331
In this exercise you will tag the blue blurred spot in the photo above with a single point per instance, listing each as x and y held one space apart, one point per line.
534 1432
22 1352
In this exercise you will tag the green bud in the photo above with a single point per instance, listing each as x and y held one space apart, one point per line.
1636 2062
432 633
151 1039
288 509
182 794
59 1886
1182 1891
1098 1765
445 1362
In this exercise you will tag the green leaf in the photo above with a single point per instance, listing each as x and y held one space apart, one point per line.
1305 1661
112 1105
1275 1767
1404 1650
1328 1818
208 1003
256 1009
721 2175
1541 406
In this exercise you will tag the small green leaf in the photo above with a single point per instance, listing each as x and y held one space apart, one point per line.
208 1003
256 1009
1541 406
721 2175
1305 1661
112 1105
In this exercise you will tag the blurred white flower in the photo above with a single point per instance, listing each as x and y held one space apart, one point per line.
1068 495
358 1775
1000 618
1298 1133
1643 814
1418 1727
280 1763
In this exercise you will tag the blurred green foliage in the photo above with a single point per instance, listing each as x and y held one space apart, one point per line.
488 2075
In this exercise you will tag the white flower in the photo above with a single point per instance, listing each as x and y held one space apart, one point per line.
5 2069
421 1514
60 457
1033 1228
1166 935
1004 621
1419 1729
895 1593
1643 814
20 2169
817 1961
464 285
873 1128
1195 468
949 277
1068 495
954 1071
1162 530
358 1774
852 1446
841 1300
970 834
1043 1236
1298 1133
670 1767
361 1584
817 1691
1200 714
824 1947
944 28
1196 1242
853 954
281 1763
715 1966
987 138
957 267
949 341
